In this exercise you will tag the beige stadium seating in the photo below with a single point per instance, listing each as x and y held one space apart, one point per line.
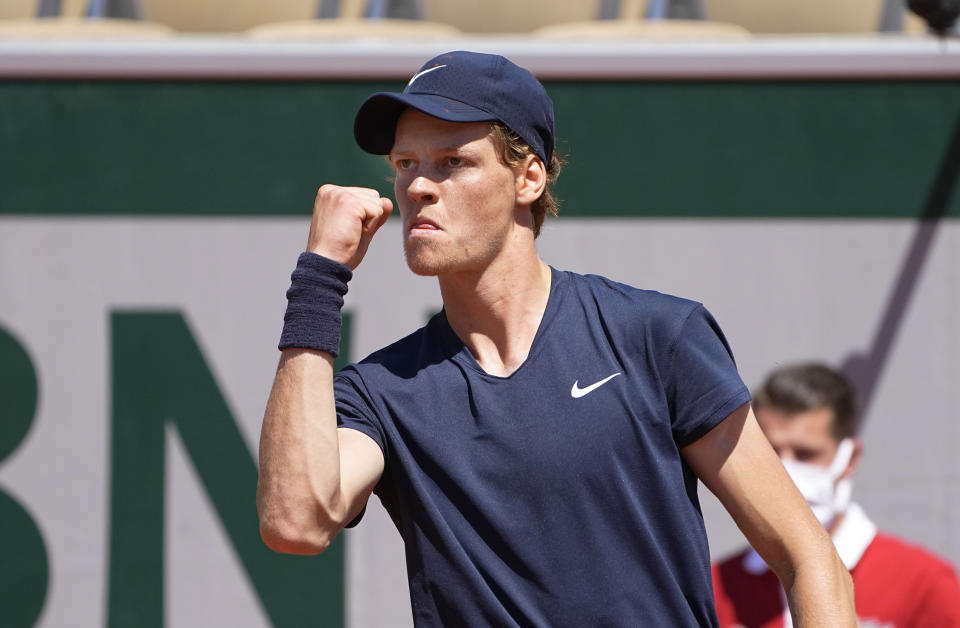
913 24
225 15
73 8
71 24
352 28
508 16
352 8
798 16
25 9
350 24
81 28
643 29
17 9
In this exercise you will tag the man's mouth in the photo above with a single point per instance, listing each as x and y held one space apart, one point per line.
422 224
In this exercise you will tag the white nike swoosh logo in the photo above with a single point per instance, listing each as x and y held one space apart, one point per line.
576 392
419 74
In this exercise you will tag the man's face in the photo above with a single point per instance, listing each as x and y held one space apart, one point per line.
803 437
456 198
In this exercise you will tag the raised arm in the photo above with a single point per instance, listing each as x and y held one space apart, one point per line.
315 478
736 462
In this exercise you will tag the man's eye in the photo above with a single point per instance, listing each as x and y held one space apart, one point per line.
402 164
455 161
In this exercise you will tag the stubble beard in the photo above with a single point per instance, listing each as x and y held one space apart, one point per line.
422 259
432 258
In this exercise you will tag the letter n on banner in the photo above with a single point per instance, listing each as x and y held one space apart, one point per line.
159 378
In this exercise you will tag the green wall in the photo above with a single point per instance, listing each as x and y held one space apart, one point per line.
698 149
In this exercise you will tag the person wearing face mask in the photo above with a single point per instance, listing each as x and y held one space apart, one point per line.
807 412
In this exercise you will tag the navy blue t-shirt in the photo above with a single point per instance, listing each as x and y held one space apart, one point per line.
556 496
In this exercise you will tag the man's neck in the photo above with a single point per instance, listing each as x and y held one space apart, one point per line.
496 312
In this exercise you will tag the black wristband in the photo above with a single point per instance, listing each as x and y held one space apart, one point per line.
314 299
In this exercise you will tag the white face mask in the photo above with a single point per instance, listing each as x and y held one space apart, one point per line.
827 497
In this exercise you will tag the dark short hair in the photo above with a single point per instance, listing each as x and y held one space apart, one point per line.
810 386
512 150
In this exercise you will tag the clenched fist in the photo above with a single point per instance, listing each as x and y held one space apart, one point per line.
344 221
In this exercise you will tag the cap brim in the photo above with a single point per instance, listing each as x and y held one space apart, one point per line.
376 122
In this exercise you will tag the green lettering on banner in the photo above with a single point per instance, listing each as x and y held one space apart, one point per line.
160 378
24 566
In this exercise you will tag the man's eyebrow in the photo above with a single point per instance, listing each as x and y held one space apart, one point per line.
462 146
450 148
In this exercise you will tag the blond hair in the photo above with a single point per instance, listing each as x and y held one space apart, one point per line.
512 151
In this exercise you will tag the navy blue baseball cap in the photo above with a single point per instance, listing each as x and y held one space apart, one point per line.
463 86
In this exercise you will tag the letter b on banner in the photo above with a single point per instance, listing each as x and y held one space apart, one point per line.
24 569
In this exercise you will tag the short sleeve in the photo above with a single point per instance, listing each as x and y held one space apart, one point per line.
701 379
355 408
354 411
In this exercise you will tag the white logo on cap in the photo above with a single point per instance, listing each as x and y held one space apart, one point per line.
419 74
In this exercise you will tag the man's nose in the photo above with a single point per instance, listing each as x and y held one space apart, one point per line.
422 190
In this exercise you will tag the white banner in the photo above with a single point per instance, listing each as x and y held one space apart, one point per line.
781 290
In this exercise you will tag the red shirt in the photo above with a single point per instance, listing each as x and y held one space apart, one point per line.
896 585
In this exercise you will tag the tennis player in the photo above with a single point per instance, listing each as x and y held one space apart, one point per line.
538 442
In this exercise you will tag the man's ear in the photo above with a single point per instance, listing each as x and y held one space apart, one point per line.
531 180
854 459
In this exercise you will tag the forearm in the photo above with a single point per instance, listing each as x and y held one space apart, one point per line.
737 463
820 593
299 496
305 494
